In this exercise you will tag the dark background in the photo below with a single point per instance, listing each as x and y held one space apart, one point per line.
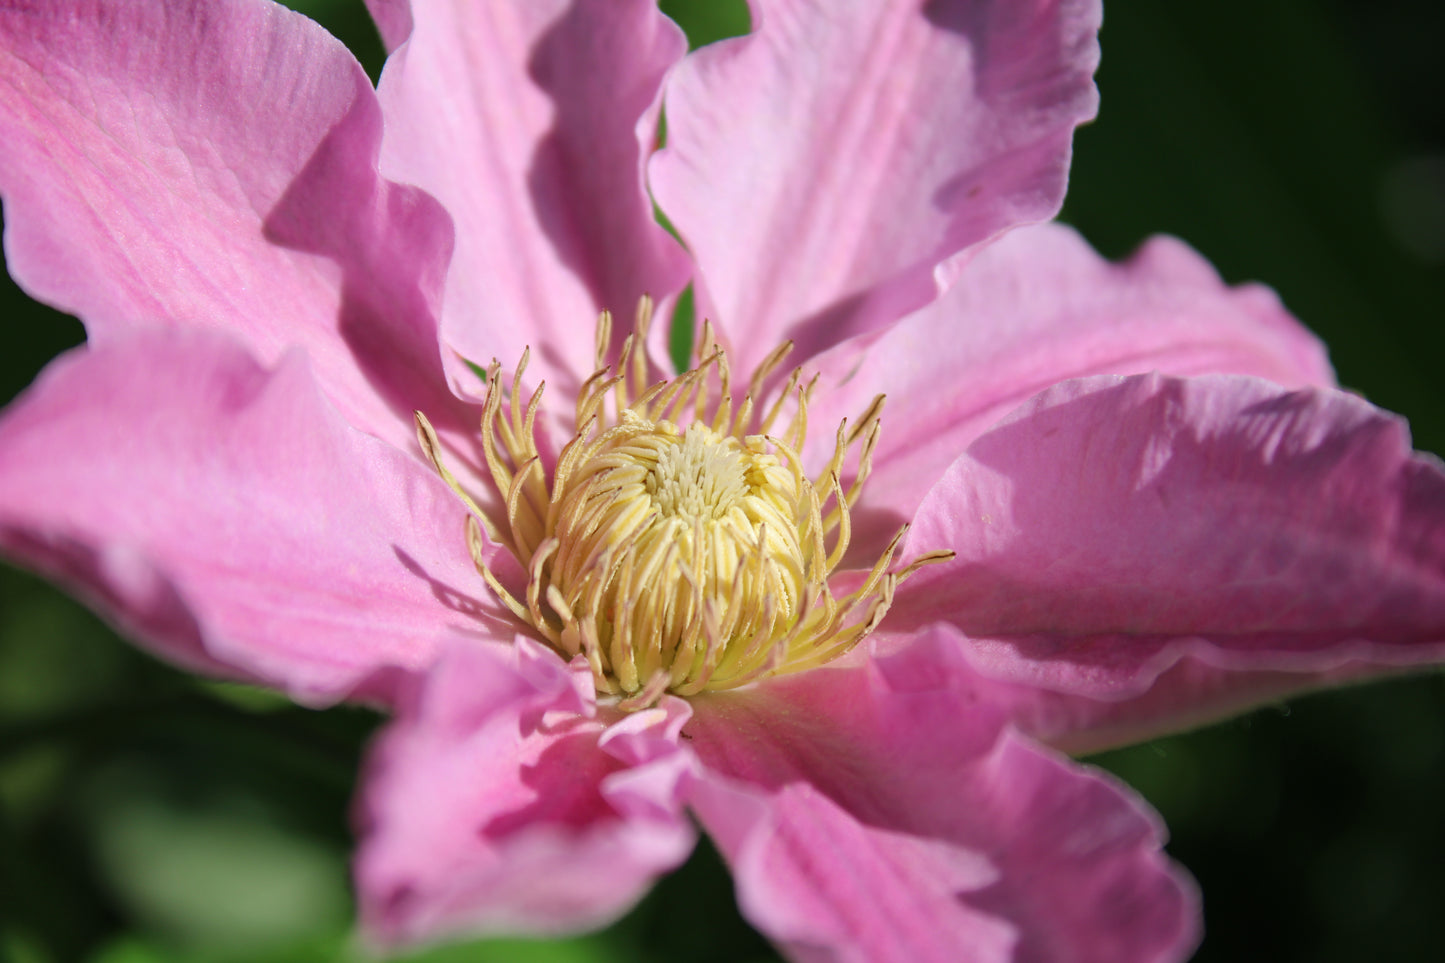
148 817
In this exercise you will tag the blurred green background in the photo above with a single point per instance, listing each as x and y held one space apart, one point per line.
148 817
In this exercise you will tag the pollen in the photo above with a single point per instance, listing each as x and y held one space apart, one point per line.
676 542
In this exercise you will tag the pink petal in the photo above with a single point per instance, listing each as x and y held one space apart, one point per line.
1190 692
530 120
882 814
214 165
393 21
226 516
822 169
1114 526
1034 308
498 802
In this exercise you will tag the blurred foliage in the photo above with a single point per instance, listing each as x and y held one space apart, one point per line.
147 817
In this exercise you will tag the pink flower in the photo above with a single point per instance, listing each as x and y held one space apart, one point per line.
1147 504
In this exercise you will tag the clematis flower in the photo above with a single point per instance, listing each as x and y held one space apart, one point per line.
851 637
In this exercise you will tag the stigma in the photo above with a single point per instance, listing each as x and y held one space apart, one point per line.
677 543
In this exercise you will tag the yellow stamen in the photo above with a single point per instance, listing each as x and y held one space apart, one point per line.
679 546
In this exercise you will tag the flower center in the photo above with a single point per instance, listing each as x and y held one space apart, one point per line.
699 475
678 544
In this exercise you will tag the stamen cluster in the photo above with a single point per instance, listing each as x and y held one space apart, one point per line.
678 544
